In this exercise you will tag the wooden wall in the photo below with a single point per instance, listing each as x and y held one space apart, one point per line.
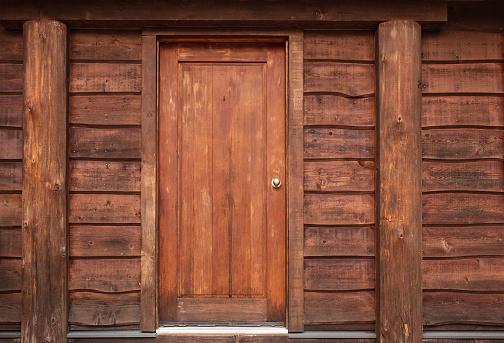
339 174
11 154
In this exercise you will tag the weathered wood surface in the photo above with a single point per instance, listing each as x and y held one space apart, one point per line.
11 144
11 110
103 45
205 338
11 211
105 109
105 78
11 178
339 241
339 274
10 242
463 241
462 110
337 143
463 78
101 176
480 176
101 309
462 208
230 52
117 143
219 310
13 43
11 279
338 209
105 241
10 308
339 176
339 111
341 78
339 307
104 208
104 275
339 45
11 78
462 144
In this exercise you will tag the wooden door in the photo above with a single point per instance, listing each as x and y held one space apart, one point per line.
221 142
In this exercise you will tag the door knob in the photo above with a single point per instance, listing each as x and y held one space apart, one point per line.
276 183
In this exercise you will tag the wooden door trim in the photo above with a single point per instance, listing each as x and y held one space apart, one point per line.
294 163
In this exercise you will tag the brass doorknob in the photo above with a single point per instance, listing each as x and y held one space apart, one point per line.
276 183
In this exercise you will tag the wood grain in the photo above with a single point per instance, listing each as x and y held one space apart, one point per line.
11 178
98 176
10 242
11 279
219 310
11 144
337 143
105 143
338 209
339 45
339 241
104 241
11 78
105 109
10 308
11 110
105 78
104 208
339 176
105 45
339 111
339 274
14 41
11 212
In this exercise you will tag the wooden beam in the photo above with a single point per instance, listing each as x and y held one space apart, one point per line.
45 251
399 187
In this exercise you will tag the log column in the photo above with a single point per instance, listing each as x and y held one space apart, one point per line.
399 258
45 253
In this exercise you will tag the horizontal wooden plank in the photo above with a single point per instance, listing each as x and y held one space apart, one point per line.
337 143
105 45
339 176
484 274
463 78
104 275
12 41
105 143
105 77
105 109
10 242
339 111
101 176
462 46
222 52
463 241
11 144
221 310
105 241
463 110
339 274
462 208
338 209
102 309
104 208
11 110
463 176
11 280
339 241
11 176
462 144
463 308
339 45
11 77
11 211
10 308
343 78
344 307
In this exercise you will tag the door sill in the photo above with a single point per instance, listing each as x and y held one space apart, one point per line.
276 329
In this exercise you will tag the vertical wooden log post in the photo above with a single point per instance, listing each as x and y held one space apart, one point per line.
45 253
399 100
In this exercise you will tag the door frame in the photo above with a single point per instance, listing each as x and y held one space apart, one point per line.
293 40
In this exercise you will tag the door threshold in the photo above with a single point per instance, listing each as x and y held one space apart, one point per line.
277 329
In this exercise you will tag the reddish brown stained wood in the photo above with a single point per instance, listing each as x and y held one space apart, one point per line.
337 143
336 241
101 176
462 144
105 45
205 338
463 308
105 77
462 110
11 144
11 212
468 176
338 209
339 176
339 274
101 241
13 43
105 109
463 241
339 307
11 178
104 275
455 208
463 78
10 308
462 46
105 143
10 242
343 78
339 45
336 110
224 52
104 208
11 280
218 310
101 309
11 110
11 78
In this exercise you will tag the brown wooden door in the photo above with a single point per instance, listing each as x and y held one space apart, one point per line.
221 142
